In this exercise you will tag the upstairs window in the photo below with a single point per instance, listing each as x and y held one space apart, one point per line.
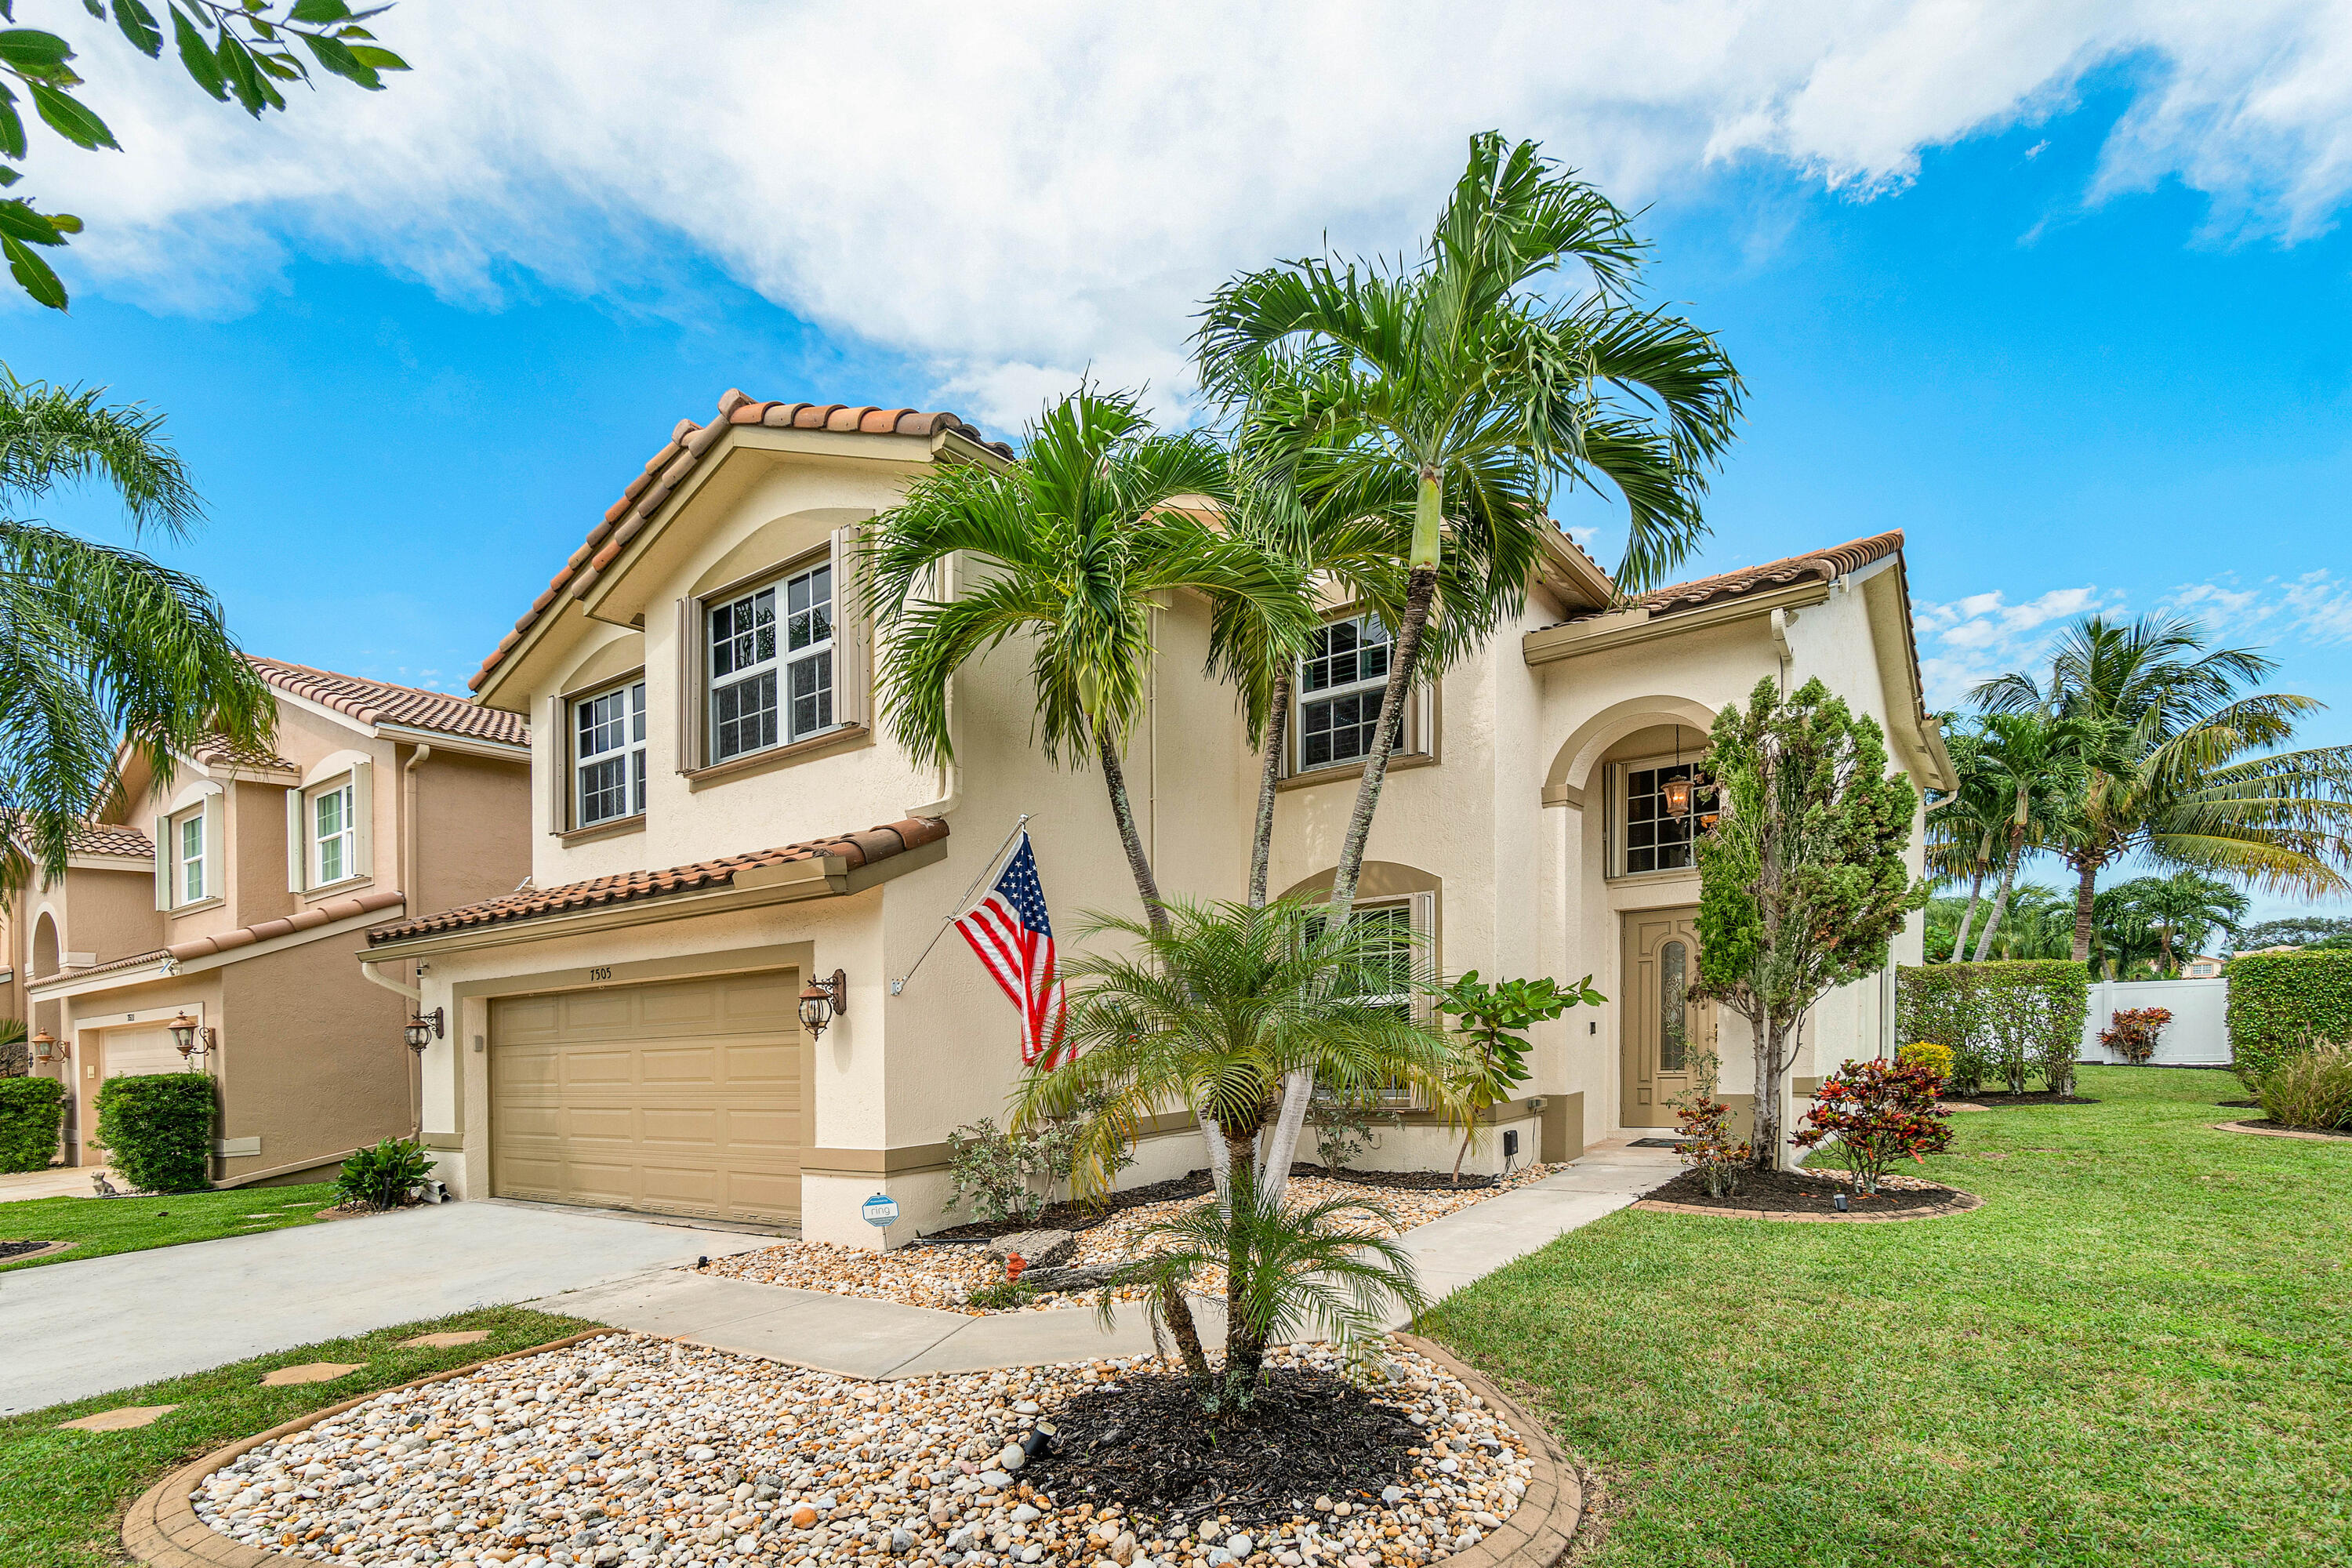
189 833
770 671
1341 683
1656 836
609 755
334 834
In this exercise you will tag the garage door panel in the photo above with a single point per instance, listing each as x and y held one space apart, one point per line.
682 1097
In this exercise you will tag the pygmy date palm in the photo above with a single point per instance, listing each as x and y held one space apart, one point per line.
99 646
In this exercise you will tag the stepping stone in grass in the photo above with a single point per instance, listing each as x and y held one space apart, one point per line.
121 1420
309 1371
444 1341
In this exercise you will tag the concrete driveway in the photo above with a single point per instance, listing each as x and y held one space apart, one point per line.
57 1182
79 1329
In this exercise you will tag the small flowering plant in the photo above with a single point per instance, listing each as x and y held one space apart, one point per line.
1708 1146
2131 1032
1879 1111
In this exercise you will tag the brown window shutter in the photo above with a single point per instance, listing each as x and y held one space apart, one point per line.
558 751
688 690
852 644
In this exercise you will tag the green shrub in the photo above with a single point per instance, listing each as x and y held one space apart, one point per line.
379 1176
2281 1001
1936 1058
2312 1087
158 1128
1010 1176
1001 1295
2010 1020
31 1112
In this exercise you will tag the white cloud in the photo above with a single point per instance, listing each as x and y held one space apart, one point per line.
1012 194
1975 638
2314 608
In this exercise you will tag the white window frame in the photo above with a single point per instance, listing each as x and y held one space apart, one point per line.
1302 698
183 894
628 751
345 840
815 623
1620 812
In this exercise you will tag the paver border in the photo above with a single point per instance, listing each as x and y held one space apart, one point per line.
161 1529
2252 1132
1538 1532
51 1250
1966 1203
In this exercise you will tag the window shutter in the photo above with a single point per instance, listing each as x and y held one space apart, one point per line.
162 862
363 820
852 652
298 860
1420 711
559 765
215 869
688 691
1423 918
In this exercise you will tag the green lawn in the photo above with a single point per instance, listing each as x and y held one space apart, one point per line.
2140 1351
62 1493
132 1224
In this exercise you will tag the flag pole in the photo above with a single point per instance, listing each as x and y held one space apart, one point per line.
947 920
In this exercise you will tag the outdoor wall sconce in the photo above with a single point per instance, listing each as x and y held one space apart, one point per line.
47 1047
822 999
421 1030
191 1039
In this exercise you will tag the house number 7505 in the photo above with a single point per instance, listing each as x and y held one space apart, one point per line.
603 974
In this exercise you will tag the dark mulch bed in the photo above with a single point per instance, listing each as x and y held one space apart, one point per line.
1074 1217
1147 1447
2268 1125
18 1248
2239 1104
1992 1101
1800 1192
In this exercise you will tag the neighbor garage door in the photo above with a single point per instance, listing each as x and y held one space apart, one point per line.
682 1098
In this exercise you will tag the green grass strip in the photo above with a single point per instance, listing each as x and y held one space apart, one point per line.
101 1226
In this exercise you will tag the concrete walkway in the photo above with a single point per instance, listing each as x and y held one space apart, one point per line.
57 1182
863 1337
82 1328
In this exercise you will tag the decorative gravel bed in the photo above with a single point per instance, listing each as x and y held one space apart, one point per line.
945 1276
627 1449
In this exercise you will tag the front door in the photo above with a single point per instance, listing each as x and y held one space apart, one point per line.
1663 1034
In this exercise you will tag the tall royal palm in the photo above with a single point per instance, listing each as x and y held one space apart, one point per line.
1965 831
2040 764
1449 397
1073 545
2188 770
99 646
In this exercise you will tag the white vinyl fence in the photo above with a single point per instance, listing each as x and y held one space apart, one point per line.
2199 1035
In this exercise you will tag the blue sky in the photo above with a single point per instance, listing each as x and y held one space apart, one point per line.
2081 365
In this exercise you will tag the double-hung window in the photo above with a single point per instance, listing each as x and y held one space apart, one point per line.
1341 683
194 866
770 672
609 755
334 834
1656 836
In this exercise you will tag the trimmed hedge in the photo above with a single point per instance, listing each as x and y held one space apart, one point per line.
158 1128
2280 1002
2004 1021
32 1110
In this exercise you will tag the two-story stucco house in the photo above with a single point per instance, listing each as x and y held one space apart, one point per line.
230 894
717 822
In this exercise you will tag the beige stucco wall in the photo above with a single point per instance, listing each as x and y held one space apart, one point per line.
311 1059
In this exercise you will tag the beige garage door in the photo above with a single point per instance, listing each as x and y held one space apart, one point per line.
683 1097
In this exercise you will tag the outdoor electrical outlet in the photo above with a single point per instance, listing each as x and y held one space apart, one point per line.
1511 1143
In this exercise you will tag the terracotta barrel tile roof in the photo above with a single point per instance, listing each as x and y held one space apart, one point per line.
1819 567
669 467
221 752
109 838
529 903
381 702
328 913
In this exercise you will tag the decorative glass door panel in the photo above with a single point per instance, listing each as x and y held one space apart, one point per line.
1664 1033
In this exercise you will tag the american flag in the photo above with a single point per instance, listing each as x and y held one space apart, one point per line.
1014 936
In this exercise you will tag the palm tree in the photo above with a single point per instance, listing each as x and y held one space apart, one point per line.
1966 829
99 646
1073 543
1448 399
2041 762
2184 908
2185 772
1214 1008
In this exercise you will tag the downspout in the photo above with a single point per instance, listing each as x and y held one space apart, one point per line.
408 855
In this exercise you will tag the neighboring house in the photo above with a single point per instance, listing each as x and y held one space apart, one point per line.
232 893
708 764
2204 966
